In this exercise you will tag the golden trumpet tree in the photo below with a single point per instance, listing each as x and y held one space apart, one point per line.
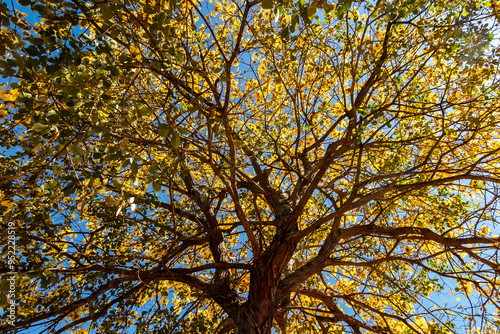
235 166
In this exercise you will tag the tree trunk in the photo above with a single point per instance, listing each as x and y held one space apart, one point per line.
256 315
252 321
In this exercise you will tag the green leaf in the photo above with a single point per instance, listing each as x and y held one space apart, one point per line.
163 130
267 4
145 111
182 130
294 23
153 168
134 168
70 189
78 150
156 186
285 33
110 200
311 10
32 51
176 140
328 7
107 13
117 183
39 127
179 56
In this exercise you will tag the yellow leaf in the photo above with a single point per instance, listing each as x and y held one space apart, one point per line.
6 204
9 95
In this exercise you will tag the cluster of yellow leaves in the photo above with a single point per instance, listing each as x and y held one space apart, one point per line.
488 328
420 324
7 98
5 202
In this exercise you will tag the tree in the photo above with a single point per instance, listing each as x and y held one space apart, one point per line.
251 167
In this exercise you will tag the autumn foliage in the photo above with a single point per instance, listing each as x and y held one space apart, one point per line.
234 166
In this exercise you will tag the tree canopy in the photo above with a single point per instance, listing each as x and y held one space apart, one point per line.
235 166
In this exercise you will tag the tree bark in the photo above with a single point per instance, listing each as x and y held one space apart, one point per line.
253 320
